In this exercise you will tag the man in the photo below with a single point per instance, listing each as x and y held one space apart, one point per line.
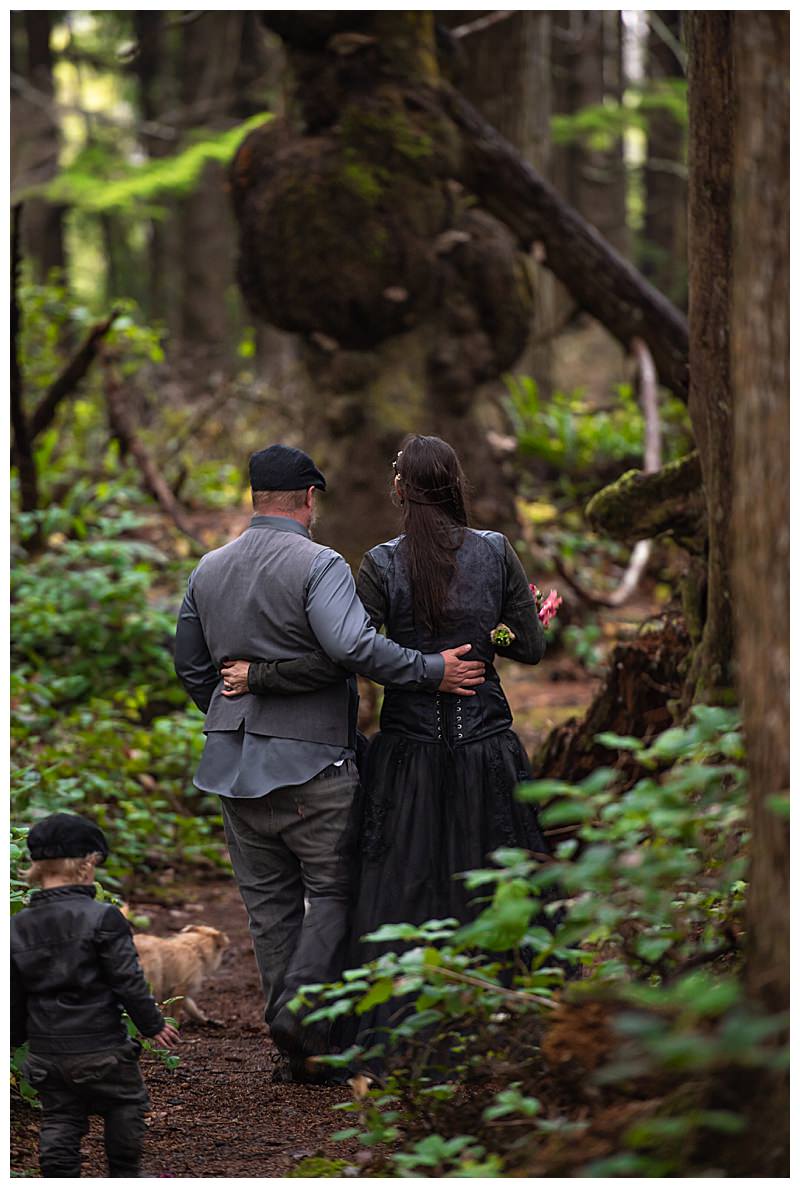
284 766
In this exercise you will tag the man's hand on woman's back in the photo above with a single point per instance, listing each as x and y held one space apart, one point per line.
461 676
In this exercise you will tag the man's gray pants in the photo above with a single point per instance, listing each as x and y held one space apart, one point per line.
296 844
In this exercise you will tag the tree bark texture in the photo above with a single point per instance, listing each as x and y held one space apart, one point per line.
760 381
355 234
663 254
36 144
380 144
22 447
151 66
600 280
640 506
587 68
711 111
641 679
505 74
210 53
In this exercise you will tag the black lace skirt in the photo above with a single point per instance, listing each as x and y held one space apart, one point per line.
430 812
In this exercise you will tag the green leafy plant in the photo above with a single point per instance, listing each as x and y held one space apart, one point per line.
636 922
576 439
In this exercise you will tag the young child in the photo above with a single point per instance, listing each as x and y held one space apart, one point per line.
73 970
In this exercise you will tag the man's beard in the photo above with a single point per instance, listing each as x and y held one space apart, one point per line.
312 523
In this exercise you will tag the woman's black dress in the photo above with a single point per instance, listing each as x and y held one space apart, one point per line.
439 777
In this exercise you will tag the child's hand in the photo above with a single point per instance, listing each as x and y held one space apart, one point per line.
168 1037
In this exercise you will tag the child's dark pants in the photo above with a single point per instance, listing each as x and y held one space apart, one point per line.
71 1088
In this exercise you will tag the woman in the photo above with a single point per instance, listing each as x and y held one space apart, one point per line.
439 777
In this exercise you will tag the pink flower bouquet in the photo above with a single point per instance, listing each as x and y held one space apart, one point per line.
546 608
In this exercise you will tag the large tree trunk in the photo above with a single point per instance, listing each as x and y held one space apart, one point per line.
153 73
663 256
760 380
401 156
760 533
407 319
587 68
709 43
36 147
210 56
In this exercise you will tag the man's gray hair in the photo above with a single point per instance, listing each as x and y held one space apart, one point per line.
281 501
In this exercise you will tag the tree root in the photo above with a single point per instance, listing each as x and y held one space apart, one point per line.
643 676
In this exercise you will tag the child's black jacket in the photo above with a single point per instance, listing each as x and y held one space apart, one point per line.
74 968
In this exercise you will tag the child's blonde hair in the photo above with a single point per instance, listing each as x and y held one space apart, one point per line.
73 870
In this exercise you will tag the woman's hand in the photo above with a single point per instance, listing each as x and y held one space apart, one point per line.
234 677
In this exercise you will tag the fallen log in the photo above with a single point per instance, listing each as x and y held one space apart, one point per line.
640 506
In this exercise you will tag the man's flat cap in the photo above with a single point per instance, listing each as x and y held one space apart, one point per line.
283 468
66 835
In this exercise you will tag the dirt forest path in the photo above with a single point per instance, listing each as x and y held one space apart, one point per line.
218 1113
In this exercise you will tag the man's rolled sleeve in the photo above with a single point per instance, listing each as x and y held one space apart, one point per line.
344 631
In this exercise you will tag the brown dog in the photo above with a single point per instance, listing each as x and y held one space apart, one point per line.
177 965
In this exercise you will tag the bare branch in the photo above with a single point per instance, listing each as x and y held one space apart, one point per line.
667 36
123 429
65 384
599 279
480 24
648 394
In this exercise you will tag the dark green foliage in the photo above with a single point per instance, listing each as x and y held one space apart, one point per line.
649 902
101 181
598 125
577 440
99 722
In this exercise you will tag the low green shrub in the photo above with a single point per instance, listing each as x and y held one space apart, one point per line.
637 918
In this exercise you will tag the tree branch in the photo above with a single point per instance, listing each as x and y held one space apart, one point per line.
640 506
70 377
601 281
480 24
123 429
648 394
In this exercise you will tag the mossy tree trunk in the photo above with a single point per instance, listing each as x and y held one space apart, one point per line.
355 235
358 225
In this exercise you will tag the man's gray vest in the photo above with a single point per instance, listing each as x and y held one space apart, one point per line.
250 596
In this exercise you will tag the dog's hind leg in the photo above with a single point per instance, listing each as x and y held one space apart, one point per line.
193 1010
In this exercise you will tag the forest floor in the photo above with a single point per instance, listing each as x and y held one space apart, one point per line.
218 1114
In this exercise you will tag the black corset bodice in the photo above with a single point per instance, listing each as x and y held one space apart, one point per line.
474 608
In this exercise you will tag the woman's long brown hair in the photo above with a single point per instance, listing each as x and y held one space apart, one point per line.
431 495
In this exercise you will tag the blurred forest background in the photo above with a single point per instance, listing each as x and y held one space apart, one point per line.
330 229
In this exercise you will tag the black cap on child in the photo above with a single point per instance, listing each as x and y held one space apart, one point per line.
283 468
66 835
